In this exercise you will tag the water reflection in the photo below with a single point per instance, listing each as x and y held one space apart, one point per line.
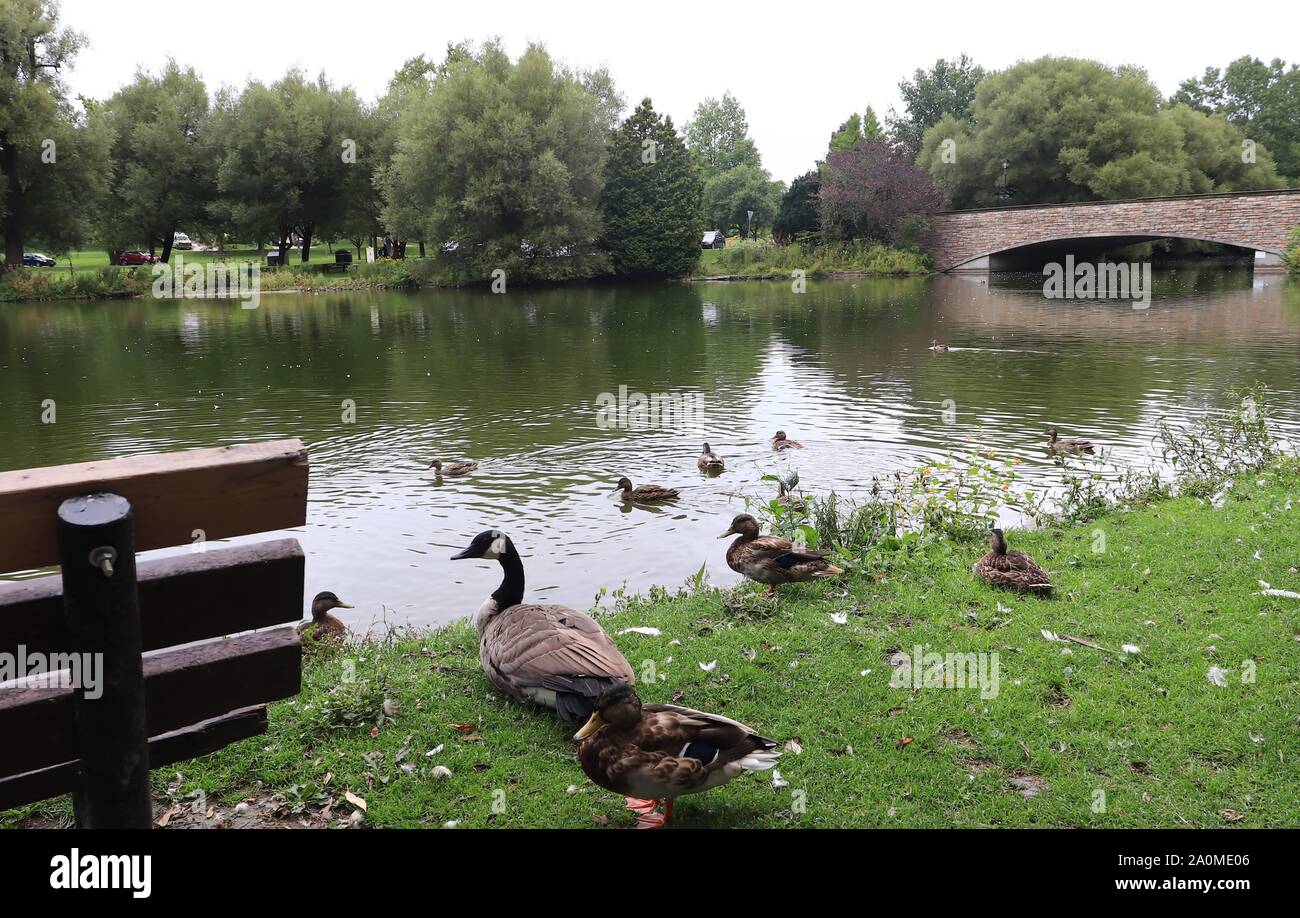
514 380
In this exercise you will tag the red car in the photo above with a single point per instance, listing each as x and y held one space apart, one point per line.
136 258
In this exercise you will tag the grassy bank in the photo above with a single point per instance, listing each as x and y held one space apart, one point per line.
762 260
1080 733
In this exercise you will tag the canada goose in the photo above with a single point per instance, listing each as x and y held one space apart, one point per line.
453 469
549 655
709 461
780 441
653 752
323 627
1014 570
1056 445
771 559
646 494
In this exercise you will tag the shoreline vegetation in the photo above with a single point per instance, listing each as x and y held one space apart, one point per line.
743 261
1155 688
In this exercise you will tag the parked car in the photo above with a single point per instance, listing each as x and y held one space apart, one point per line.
714 240
181 241
136 257
37 260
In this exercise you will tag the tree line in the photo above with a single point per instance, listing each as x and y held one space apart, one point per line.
524 165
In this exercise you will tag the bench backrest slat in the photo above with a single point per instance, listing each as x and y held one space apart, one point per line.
226 491
182 687
184 598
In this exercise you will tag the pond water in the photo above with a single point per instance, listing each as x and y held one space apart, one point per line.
515 381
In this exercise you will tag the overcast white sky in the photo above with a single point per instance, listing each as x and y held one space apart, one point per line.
798 69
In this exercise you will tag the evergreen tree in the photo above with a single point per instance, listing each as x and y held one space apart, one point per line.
651 201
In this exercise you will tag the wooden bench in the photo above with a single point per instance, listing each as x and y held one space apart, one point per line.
161 702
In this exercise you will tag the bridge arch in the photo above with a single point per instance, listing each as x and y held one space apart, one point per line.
973 240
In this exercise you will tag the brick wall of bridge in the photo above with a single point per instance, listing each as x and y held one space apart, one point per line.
1257 220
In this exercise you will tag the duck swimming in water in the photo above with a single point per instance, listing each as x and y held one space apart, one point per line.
646 494
780 442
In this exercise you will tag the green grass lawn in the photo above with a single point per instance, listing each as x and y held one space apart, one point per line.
1095 737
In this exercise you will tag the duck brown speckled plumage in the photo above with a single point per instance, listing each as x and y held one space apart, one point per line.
781 442
323 627
453 469
646 494
1013 570
771 559
709 461
654 752
1057 445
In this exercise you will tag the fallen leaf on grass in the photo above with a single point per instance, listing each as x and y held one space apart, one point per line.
167 815
905 741
600 820
358 802
794 746
1232 815
462 728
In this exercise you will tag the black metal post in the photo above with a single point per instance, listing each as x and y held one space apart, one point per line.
102 610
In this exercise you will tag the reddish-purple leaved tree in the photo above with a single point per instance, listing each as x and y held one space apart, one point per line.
874 191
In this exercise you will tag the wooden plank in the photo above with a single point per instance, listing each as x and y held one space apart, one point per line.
164 750
182 688
227 491
186 598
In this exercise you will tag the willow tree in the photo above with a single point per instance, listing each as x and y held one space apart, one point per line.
53 157
500 164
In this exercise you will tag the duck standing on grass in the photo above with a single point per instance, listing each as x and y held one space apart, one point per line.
1057 445
1013 570
781 442
771 559
654 752
548 655
709 461
646 494
323 627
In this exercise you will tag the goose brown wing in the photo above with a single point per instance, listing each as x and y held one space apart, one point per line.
546 645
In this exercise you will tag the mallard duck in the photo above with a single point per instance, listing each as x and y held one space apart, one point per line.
1014 570
709 461
780 441
786 499
452 469
646 494
653 752
1057 445
549 655
771 559
936 346
323 627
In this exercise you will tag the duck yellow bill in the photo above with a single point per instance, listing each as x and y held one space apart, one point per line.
725 534
593 724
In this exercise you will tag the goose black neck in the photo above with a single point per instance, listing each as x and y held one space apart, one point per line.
511 591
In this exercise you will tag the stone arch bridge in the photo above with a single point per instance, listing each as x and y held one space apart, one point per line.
1011 238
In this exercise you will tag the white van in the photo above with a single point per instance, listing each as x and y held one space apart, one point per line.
181 241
